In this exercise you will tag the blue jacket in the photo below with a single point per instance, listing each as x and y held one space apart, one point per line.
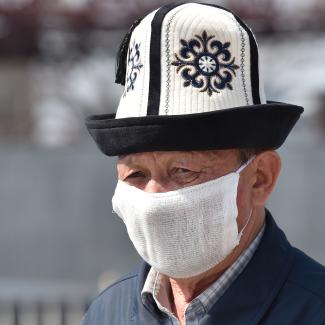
280 285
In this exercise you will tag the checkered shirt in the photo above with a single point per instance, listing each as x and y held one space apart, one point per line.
156 291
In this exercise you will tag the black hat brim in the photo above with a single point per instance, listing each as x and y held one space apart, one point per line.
258 126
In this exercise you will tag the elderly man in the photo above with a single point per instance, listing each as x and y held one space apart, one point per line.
196 143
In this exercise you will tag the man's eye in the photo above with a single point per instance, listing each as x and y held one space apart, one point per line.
135 175
182 170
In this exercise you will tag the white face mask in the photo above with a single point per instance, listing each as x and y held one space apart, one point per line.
185 232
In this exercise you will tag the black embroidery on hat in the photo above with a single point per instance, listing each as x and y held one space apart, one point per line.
134 66
242 61
206 63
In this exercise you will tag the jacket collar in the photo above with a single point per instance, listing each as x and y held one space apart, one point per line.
248 298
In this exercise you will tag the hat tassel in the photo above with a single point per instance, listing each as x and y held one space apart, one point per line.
121 56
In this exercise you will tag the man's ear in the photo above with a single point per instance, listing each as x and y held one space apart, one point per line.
266 166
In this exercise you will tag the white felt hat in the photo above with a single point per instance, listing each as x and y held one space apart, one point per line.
192 82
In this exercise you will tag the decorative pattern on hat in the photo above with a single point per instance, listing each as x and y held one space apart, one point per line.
206 63
134 67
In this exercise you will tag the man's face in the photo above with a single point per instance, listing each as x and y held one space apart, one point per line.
155 172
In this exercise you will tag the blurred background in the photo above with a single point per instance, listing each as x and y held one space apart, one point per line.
59 242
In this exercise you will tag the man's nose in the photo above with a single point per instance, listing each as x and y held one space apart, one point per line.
156 186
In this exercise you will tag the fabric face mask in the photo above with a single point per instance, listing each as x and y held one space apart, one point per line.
185 232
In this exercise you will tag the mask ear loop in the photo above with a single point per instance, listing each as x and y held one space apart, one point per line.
242 230
242 167
238 171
